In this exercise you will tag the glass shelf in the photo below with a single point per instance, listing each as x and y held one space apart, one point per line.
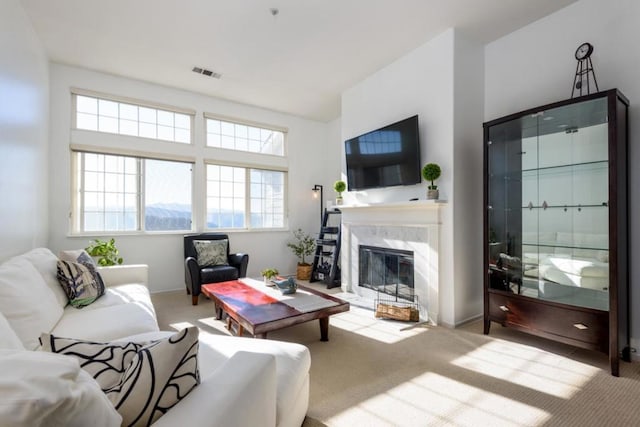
585 248
602 205
571 166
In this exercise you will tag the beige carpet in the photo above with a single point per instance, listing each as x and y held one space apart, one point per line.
386 373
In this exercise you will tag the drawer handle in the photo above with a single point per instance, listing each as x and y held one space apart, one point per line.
504 308
580 326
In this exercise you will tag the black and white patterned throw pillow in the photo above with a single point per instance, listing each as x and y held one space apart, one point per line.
142 380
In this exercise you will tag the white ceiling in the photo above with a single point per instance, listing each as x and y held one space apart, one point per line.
298 61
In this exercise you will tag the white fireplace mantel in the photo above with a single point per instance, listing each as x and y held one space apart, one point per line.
417 212
412 226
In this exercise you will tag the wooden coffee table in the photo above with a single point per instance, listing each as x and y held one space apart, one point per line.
258 313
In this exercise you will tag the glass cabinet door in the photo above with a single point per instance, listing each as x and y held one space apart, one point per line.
504 213
548 205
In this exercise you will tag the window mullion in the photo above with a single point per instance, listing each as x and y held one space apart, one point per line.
141 195
247 199
80 194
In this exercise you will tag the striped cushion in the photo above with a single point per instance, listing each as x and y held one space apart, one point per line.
81 282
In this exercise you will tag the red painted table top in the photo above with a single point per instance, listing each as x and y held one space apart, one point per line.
248 302
260 313
236 290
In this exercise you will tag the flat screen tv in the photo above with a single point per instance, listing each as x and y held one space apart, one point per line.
384 157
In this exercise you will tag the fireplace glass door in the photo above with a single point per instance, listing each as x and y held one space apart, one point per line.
388 271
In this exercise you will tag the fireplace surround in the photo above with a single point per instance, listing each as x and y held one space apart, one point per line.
406 226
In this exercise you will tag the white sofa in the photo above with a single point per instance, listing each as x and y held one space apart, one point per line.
244 381
561 260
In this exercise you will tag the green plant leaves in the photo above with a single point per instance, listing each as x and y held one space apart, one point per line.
303 246
431 172
106 252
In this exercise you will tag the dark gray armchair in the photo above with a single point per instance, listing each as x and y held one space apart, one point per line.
196 275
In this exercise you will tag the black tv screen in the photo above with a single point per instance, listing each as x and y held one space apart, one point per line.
384 157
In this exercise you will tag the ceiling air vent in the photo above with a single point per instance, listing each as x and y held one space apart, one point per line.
206 72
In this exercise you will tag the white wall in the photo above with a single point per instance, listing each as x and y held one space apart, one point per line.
425 82
420 83
163 252
467 179
535 65
335 159
24 112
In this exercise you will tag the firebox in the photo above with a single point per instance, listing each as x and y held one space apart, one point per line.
388 271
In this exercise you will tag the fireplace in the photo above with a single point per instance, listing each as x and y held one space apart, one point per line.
409 229
387 271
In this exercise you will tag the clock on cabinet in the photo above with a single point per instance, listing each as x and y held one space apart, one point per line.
584 50
582 80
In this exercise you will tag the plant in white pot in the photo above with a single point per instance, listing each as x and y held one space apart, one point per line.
303 246
339 186
269 274
431 172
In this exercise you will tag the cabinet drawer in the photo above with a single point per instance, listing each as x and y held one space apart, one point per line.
589 329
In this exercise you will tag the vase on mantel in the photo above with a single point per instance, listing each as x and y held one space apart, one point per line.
433 194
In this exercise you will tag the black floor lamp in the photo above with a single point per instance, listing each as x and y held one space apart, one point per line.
315 189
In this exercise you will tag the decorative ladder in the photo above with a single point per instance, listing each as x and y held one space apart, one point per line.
326 261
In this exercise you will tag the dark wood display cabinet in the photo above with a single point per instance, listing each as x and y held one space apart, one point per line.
555 223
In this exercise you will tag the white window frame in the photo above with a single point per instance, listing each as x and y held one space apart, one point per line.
197 153
248 160
75 92
247 201
249 123
78 210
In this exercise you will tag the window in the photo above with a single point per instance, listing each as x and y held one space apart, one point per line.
225 197
104 115
243 137
267 199
123 193
230 187
167 195
246 197
124 183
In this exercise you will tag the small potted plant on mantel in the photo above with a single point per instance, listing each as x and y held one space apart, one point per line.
431 172
339 186
303 246
269 274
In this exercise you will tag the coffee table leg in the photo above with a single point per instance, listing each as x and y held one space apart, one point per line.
218 311
324 328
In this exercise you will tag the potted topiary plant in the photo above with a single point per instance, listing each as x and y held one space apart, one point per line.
269 274
431 172
339 186
105 252
303 246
